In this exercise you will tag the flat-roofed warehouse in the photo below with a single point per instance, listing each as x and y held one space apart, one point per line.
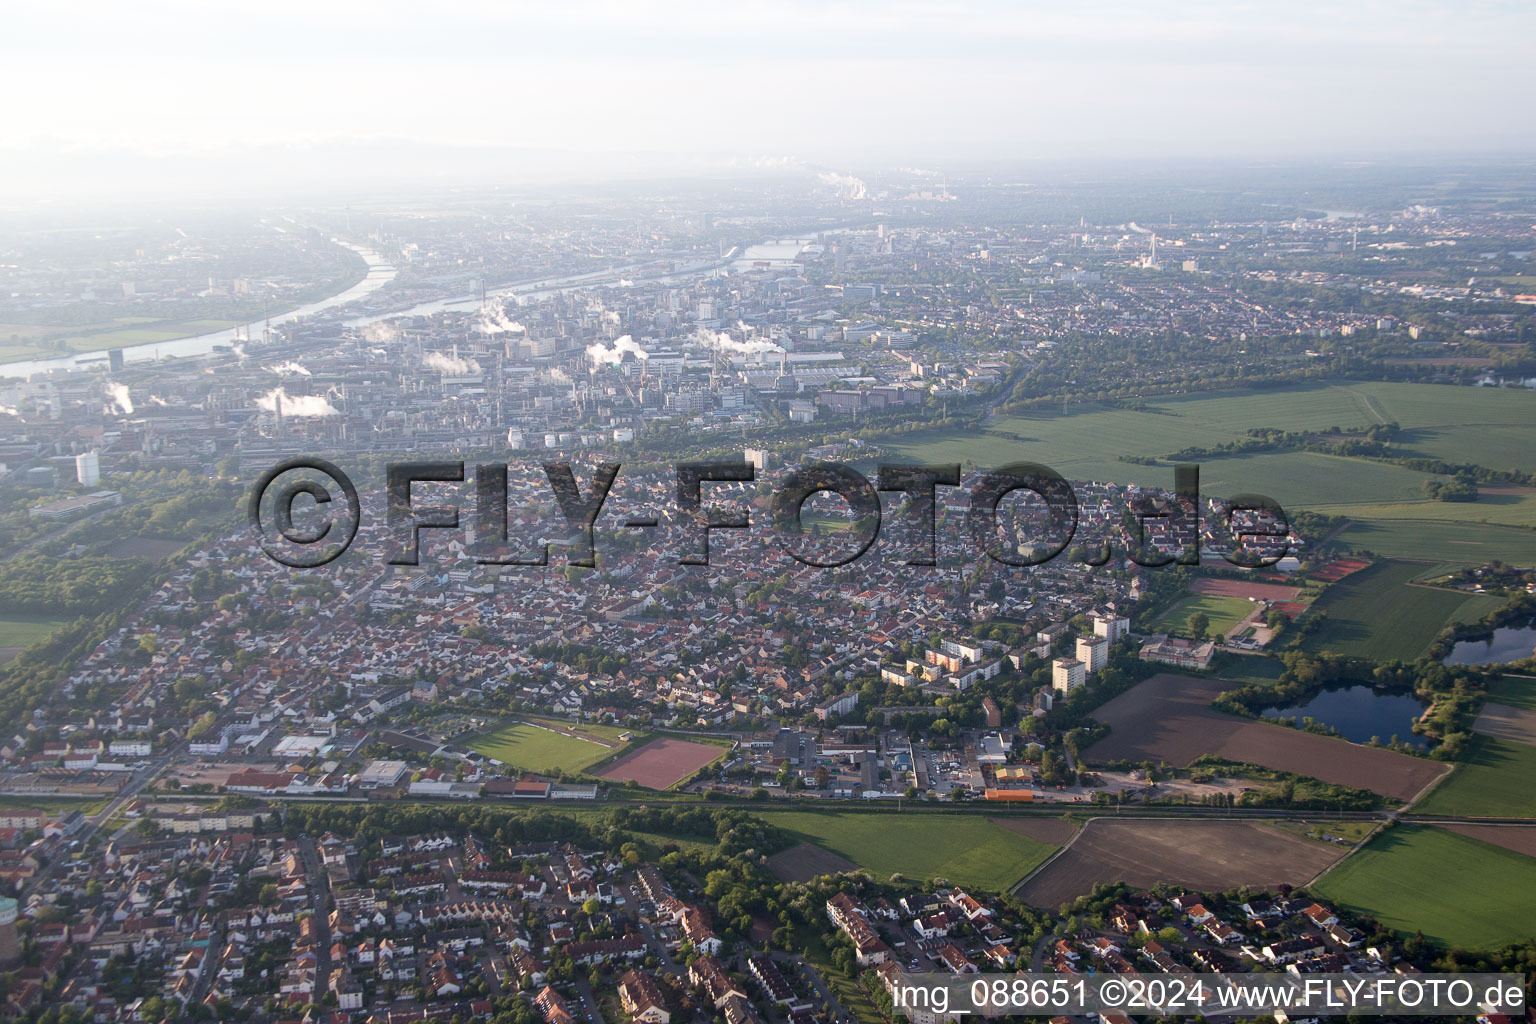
382 774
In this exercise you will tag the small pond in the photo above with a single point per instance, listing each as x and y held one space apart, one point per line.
1508 643
1359 712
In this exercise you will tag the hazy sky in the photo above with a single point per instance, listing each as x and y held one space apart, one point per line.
834 83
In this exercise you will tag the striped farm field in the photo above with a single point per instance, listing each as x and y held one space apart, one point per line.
1378 613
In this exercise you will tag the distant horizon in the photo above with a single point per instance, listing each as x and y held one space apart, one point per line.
382 168
104 96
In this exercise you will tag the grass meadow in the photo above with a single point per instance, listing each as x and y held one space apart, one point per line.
967 850
1455 889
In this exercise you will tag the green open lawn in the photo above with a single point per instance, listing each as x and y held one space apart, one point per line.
1248 668
1376 614
967 850
45 342
656 840
531 747
24 631
1496 779
1349 831
1223 613
1458 890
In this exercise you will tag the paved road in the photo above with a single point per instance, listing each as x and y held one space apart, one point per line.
112 808
814 980
588 999
981 807
318 883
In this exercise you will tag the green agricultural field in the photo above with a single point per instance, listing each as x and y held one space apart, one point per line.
1376 614
1440 421
1463 543
1494 427
1223 613
1403 878
1492 781
1425 406
1500 445
1514 508
966 849
1294 479
1514 691
536 749
24 631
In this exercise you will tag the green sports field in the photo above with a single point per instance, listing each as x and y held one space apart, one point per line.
1376 614
1494 780
1223 613
965 849
1458 890
537 749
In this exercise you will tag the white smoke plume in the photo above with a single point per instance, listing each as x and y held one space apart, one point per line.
9 410
610 317
848 187
381 333
601 354
239 351
290 367
719 341
558 374
493 320
296 405
453 365
625 282
118 394
157 400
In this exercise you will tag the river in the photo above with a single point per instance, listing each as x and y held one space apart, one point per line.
380 273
